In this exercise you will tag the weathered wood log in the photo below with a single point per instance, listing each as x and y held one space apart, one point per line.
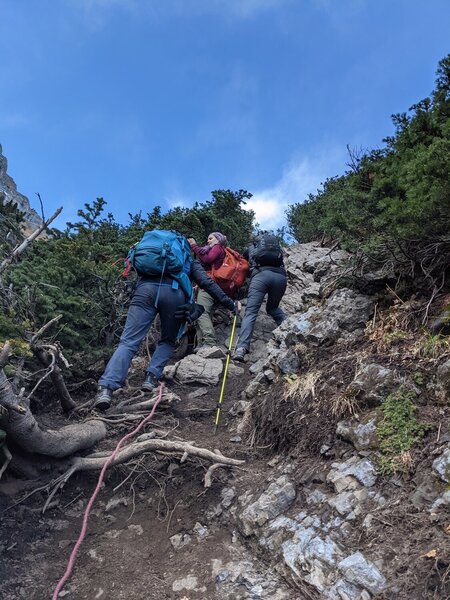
23 429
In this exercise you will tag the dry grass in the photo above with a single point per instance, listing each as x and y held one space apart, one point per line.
344 404
295 417
301 387
394 326
434 347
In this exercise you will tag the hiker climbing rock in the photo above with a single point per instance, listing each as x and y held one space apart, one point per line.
229 271
165 267
267 276
211 256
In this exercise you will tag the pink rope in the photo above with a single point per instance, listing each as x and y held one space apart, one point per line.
80 539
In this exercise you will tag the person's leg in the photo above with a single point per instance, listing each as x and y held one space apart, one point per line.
169 301
139 318
256 292
205 327
277 283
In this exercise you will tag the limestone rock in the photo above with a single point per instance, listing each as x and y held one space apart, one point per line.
195 369
443 380
361 469
345 311
443 501
442 465
288 362
180 540
9 193
275 500
357 570
362 432
255 386
373 383
235 370
247 580
211 352
186 583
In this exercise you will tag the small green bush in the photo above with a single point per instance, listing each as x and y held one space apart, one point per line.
398 431
394 202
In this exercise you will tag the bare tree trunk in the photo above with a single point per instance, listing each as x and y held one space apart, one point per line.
24 430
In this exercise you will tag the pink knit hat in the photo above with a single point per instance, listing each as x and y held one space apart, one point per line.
220 238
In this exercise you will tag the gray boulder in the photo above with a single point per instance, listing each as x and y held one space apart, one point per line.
345 311
372 384
357 570
361 432
442 465
443 381
275 500
202 371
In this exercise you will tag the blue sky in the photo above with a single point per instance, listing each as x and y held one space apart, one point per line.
148 102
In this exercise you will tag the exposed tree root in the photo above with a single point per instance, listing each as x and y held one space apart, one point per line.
209 474
96 462
23 429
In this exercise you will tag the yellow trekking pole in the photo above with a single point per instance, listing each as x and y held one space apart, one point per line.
219 406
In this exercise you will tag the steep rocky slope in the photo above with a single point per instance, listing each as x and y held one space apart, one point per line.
342 416
9 193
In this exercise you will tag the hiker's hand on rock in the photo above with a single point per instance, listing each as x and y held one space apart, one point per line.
192 241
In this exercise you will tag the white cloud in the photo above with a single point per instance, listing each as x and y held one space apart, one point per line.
176 200
298 179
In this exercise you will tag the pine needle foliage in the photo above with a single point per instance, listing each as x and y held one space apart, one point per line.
76 273
394 202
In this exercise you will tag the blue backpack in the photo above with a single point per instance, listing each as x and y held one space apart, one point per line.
164 254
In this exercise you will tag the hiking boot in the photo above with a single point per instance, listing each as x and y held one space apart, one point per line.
150 383
239 354
103 398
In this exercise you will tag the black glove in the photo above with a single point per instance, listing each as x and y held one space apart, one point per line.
190 312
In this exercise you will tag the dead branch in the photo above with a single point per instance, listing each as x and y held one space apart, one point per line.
48 371
8 456
24 245
44 328
88 463
7 398
47 356
18 373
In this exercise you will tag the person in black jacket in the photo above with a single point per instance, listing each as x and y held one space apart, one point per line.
267 276
173 312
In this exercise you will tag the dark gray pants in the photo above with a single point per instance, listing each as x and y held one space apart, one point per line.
265 282
140 316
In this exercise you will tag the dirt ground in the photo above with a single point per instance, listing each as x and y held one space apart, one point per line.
127 552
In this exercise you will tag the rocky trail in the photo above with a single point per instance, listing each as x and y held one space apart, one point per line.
328 503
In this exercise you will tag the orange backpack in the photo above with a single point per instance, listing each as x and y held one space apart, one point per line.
232 273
